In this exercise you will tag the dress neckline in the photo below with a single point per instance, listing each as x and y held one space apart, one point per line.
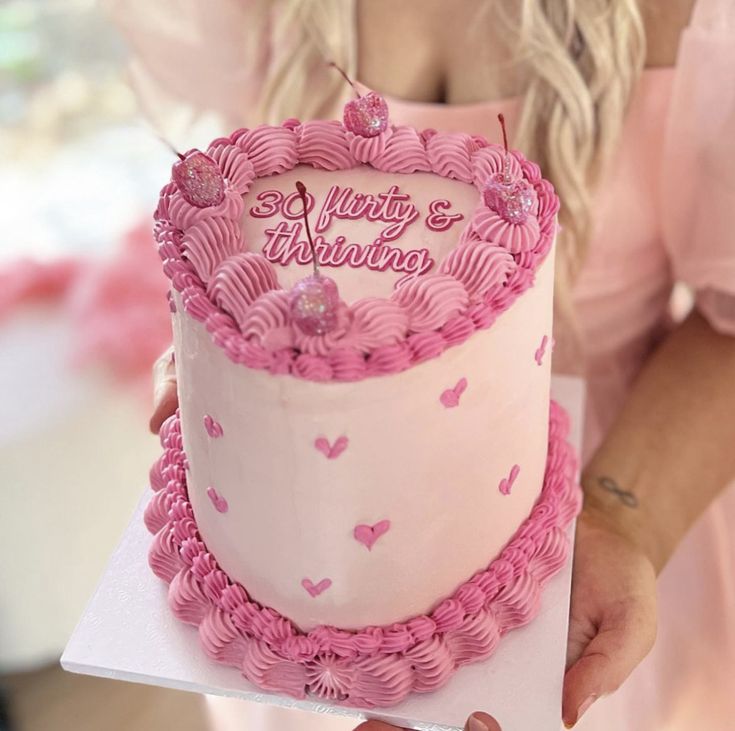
649 74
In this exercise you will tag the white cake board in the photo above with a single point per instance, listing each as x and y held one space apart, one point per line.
128 632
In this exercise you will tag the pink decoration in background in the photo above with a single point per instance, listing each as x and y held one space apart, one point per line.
316 589
213 427
27 280
116 302
539 354
199 179
450 397
369 534
506 483
331 451
220 504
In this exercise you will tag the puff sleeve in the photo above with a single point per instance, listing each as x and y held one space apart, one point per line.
698 190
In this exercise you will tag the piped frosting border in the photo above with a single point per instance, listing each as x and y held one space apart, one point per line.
242 306
375 666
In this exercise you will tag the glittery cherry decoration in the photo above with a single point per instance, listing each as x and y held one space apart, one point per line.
199 179
314 299
511 198
366 116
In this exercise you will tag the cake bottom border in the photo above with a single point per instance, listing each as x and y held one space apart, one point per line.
374 666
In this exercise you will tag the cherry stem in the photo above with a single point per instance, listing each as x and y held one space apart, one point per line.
346 78
301 188
171 147
506 162
501 119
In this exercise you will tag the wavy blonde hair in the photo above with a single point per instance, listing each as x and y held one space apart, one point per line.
580 60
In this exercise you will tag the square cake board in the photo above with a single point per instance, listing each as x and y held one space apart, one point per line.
127 632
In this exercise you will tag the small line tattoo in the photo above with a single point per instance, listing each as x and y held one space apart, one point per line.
625 496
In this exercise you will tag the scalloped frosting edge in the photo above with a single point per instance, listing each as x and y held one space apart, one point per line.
190 240
374 666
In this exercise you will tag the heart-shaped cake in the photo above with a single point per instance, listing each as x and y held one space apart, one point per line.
415 401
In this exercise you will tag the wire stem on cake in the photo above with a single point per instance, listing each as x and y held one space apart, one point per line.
301 188
345 77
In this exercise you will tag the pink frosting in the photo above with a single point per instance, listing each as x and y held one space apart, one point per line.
469 290
377 322
221 639
491 159
239 280
367 149
183 215
324 145
263 667
404 153
208 242
450 155
271 150
322 345
234 164
515 237
431 300
480 267
374 666
267 321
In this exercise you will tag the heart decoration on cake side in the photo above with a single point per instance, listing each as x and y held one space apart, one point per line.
507 482
213 427
369 534
539 354
331 451
220 504
316 589
450 397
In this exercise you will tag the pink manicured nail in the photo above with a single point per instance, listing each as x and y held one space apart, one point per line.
475 724
586 706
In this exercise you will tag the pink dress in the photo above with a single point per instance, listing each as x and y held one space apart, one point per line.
665 213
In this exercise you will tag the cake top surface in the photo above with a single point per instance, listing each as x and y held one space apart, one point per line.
425 237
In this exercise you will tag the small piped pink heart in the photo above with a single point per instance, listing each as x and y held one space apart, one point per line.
214 428
369 534
450 397
539 354
331 451
507 482
316 589
220 504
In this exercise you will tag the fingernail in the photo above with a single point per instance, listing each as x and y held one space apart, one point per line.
582 710
476 724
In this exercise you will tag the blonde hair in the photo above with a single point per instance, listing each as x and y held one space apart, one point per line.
580 59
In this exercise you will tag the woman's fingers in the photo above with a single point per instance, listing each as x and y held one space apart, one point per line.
165 397
623 639
476 722
481 722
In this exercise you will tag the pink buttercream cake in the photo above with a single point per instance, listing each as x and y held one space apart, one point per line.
353 510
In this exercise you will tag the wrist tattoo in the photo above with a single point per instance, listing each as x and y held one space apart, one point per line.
625 496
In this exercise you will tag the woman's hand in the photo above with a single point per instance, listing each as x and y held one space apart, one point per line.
165 397
612 622
476 722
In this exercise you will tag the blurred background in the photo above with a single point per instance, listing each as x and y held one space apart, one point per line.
79 175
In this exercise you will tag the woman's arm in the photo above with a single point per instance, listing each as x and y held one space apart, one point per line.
670 452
